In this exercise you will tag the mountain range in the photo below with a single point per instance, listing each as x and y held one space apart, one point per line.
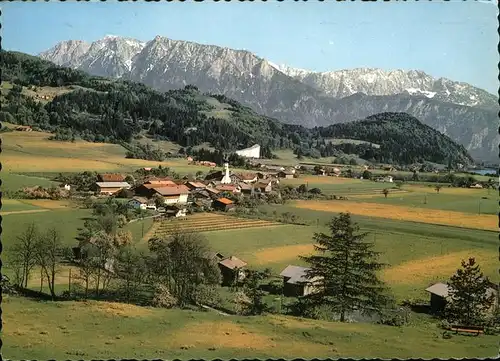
465 113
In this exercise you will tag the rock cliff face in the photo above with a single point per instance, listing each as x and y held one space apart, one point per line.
465 113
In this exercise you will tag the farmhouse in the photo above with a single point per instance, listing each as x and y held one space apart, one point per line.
264 186
108 188
477 185
110 177
295 282
138 203
232 270
231 188
145 190
65 186
286 174
440 296
212 191
246 188
195 186
175 211
173 195
386 179
244 177
275 168
223 204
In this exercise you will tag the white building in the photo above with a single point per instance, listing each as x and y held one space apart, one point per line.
138 203
252 152
227 177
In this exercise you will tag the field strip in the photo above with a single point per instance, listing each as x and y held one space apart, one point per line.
47 203
411 214
22 212
281 254
437 267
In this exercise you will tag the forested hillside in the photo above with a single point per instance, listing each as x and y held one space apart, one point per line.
103 110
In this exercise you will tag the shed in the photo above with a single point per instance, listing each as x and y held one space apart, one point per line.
223 204
440 296
232 269
296 283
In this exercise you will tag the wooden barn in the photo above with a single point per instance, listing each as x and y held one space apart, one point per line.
295 282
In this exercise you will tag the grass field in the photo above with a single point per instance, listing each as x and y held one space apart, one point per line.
473 201
404 213
33 152
14 182
98 330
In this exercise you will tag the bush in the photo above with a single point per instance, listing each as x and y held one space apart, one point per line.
163 298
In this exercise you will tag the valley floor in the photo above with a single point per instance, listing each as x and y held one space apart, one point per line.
422 236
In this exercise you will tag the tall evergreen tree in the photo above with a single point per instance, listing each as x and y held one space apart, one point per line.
347 271
469 296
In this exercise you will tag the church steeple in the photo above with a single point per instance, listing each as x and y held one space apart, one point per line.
226 179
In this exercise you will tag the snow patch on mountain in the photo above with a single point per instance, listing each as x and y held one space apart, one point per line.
414 91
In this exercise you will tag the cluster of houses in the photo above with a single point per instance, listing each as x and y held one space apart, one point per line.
211 192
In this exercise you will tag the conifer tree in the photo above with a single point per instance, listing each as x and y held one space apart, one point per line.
347 271
469 297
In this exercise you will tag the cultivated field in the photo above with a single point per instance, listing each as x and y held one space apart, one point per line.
206 223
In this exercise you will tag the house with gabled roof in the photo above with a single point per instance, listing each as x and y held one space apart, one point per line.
232 269
441 295
138 202
173 194
296 283
195 186
109 188
264 186
231 188
244 177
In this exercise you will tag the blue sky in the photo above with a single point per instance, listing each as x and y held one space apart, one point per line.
456 40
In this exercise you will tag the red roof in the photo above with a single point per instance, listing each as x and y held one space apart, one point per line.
225 201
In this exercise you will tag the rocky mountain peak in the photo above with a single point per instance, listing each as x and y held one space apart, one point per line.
465 113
